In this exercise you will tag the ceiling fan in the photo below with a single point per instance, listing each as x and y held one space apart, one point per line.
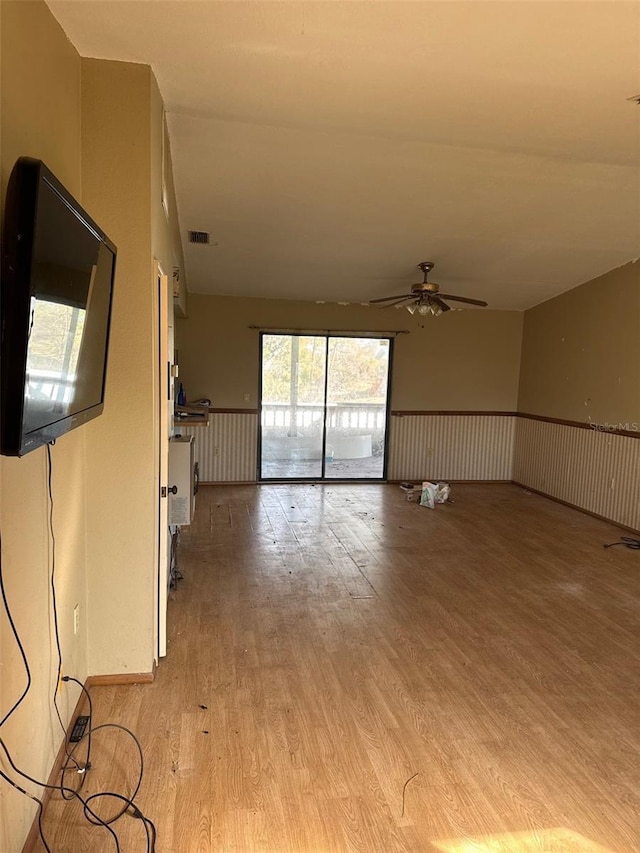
425 297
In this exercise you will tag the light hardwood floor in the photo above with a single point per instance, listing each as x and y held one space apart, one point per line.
342 640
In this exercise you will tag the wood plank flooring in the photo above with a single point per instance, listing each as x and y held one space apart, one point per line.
330 642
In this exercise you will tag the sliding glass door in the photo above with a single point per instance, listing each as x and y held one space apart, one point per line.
324 401
356 407
292 408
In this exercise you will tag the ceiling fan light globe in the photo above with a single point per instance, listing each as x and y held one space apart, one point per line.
424 308
411 309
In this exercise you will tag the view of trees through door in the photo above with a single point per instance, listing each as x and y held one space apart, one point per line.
323 407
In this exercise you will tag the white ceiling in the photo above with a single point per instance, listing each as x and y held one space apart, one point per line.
330 146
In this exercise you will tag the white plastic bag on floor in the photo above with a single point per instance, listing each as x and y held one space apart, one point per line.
434 493
429 493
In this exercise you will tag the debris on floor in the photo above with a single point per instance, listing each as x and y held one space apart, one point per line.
434 493
411 491
427 494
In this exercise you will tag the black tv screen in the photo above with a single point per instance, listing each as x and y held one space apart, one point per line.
58 270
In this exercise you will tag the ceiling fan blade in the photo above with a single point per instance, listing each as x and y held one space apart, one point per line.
440 303
462 299
389 298
401 301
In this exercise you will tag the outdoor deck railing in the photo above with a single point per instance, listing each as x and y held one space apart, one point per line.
356 417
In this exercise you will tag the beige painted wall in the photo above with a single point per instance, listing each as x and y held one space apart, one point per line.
116 123
122 189
180 303
165 230
467 360
40 118
581 352
98 125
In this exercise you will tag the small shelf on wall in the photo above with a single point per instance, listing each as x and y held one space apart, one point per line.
191 416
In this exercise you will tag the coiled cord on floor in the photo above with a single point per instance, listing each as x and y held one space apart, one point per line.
628 542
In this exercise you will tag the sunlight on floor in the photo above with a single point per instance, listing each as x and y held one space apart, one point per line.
557 840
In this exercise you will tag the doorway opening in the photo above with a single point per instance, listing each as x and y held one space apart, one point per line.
324 407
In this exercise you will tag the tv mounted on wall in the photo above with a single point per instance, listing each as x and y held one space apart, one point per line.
58 270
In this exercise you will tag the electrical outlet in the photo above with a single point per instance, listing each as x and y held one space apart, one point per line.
216 451
429 451
247 397
76 620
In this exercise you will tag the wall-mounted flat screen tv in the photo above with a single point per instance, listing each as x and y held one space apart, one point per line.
58 270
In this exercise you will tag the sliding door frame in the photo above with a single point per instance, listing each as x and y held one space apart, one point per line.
323 478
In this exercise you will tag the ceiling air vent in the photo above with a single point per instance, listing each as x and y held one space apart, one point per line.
201 237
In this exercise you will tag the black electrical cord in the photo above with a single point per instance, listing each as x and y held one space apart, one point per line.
4 776
128 801
98 819
129 806
18 702
14 630
66 792
89 813
87 762
628 542
14 707
52 581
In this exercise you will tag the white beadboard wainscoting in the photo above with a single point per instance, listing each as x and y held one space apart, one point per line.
595 471
456 446
452 446
226 450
